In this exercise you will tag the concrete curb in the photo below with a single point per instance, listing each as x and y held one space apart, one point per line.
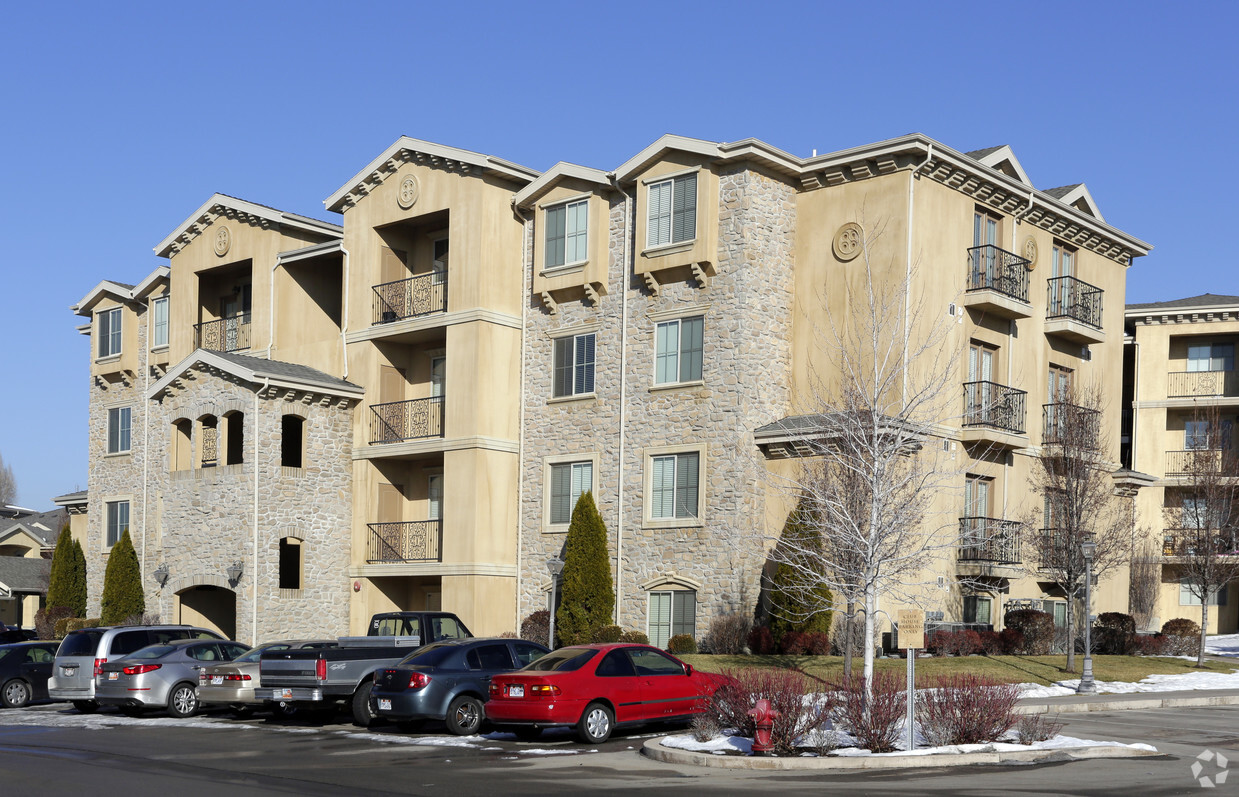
1129 704
654 749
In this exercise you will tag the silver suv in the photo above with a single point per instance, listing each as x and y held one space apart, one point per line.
83 653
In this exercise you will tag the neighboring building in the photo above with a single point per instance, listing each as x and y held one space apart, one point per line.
1180 366
403 409
27 539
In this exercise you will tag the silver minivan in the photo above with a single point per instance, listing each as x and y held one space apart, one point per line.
83 653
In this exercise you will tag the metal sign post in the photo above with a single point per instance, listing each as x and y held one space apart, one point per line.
911 638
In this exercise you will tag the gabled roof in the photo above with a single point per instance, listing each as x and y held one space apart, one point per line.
42 527
1203 301
19 575
1002 159
71 499
308 252
747 149
256 370
19 529
153 280
411 149
121 291
224 205
1078 197
554 176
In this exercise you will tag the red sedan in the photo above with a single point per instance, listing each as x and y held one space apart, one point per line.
595 688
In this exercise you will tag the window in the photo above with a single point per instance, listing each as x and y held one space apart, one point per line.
671 614
1211 357
616 664
1195 435
489 657
208 441
1063 261
673 211
574 365
291 432
567 234
678 347
118 429
159 322
109 332
438 268
290 563
438 372
675 485
568 481
434 496
977 609
117 521
1186 598
234 438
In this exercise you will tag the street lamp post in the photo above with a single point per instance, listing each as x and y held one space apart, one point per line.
555 567
1087 686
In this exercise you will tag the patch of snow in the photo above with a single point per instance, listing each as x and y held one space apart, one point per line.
1174 682
723 744
1223 645
546 751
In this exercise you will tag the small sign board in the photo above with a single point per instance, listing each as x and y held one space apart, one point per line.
911 628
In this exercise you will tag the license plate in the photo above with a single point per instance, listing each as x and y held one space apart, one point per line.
69 671
112 676
217 679
384 705
516 690
285 694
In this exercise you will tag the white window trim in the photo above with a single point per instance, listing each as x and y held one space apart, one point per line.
669 588
648 521
150 330
592 457
111 356
123 452
103 527
558 335
655 385
676 246
567 267
574 330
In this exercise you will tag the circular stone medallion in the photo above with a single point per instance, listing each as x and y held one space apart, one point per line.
406 196
848 241
1030 253
223 240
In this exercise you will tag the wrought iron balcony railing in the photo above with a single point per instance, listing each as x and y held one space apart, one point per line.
414 541
991 268
1196 460
406 420
987 539
410 298
1062 423
1074 299
225 334
1202 384
1193 542
995 406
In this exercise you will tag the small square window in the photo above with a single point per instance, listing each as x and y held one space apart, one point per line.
678 354
119 429
574 366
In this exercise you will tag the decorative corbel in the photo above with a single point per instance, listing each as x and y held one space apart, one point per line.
592 291
549 302
651 283
700 274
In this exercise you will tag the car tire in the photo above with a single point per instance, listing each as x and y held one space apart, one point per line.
85 706
183 701
363 713
15 694
526 733
596 724
465 715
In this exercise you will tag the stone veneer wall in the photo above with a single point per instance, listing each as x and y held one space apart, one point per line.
746 370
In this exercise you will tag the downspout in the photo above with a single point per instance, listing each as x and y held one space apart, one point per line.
266 385
526 288
344 316
1135 403
271 307
907 279
146 436
623 406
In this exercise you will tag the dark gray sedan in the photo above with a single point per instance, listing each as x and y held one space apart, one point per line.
161 676
448 681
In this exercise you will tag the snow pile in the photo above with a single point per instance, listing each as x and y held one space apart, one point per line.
1223 645
1178 682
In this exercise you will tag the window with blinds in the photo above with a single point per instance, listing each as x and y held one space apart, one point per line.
568 481
573 366
117 521
159 322
109 332
675 485
672 613
679 349
673 211
567 233
119 419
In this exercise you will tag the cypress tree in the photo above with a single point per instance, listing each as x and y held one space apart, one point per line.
77 583
122 584
799 601
61 574
587 593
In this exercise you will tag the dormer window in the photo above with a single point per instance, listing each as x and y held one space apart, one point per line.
109 332
567 234
673 211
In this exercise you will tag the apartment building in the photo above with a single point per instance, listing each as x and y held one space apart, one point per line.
1180 378
302 423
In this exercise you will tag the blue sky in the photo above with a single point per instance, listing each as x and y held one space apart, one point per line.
122 118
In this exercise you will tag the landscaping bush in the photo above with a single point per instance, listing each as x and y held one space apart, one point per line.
122 584
705 727
537 628
587 594
62 627
682 643
967 643
802 711
991 643
817 643
799 601
967 709
1151 645
141 619
1181 637
940 643
1036 627
793 643
1037 728
761 641
608 633
78 623
634 637
45 620
728 633
1114 634
66 586
874 723
1012 641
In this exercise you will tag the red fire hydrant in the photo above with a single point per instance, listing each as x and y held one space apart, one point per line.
763 726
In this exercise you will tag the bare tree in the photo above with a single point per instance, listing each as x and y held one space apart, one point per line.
1145 584
1074 477
1202 527
8 484
872 471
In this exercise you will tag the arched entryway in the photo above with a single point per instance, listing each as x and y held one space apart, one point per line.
208 606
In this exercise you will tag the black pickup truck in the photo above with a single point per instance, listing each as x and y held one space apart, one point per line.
318 678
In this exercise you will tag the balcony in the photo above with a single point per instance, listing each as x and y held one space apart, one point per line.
414 297
398 421
1202 384
1073 310
989 540
1188 542
412 541
994 414
997 282
226 334
1203 461
1064 423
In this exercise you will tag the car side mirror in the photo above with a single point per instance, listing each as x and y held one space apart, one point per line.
688 669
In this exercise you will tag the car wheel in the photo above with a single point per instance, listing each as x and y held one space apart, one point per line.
183 701
526 733
465 715
16 694
363 713
595 724
131 710
85 706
